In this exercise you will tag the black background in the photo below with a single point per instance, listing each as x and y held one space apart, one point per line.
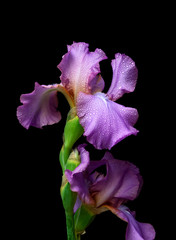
38 40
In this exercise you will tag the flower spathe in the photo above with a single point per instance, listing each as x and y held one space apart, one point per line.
105 122
109 190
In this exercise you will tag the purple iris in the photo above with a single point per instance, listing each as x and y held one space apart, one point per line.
105 122
109 190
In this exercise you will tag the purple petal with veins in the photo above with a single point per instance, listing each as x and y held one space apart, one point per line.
79 68
104 121
135 230
39 107
124 78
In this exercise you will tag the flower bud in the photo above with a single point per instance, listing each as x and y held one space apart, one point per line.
69 197
73 160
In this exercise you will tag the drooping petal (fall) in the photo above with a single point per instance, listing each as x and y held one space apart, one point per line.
79 67
135 230
124 78
39 107
105 122
122 181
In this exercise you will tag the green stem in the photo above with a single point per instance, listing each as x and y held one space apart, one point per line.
70 227
72 132
68 197
64 154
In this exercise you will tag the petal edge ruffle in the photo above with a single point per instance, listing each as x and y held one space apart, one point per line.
104 121
121 183
124 78
39 107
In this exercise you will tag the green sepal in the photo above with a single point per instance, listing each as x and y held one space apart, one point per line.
72 132
67 160
82 219
63 156
68 197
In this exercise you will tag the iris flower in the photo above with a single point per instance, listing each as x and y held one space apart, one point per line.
105 122
109 190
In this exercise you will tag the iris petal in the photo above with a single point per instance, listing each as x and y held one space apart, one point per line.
39 107
104 121
135 230
122 181
78 183
79 68
124 78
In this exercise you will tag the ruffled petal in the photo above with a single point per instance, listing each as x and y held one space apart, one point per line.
79 67
104 121
122 181
78 182
39 107
135 230
124 78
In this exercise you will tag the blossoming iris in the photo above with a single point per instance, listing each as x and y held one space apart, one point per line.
105 122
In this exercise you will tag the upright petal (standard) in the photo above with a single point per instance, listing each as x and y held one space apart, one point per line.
124 78
79 67
122 181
